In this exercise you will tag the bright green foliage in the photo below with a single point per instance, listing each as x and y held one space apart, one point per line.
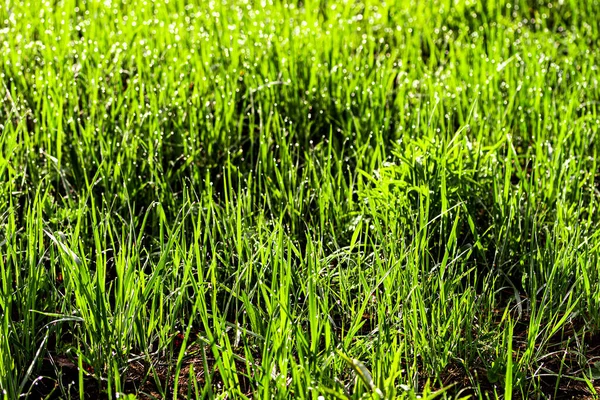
351 199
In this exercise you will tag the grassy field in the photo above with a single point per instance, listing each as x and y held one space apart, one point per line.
313 199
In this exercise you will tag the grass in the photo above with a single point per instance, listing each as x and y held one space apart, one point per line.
346 199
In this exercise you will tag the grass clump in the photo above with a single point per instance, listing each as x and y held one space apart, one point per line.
346 199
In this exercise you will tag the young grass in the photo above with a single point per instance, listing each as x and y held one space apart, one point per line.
314 199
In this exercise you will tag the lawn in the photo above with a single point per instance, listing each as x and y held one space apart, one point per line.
312 199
